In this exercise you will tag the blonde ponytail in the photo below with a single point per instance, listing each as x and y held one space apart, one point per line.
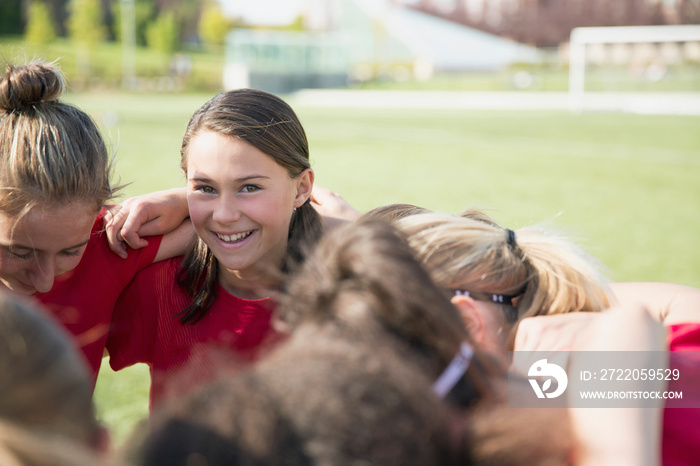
563 278
548 273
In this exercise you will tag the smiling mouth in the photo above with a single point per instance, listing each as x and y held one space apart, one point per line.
23 288
238 237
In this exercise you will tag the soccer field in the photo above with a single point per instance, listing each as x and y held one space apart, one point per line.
626 187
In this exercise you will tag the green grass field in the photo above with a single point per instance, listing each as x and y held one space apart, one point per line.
627 187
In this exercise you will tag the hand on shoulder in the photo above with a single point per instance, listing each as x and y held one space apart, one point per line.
157 213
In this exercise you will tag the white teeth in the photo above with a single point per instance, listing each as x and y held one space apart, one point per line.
234 238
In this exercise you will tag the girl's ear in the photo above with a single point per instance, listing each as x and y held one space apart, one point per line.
305 183
471 316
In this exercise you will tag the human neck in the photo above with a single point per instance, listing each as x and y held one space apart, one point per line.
246 285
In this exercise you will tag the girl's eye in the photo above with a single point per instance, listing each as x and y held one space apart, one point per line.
250 188
72 253
205 189
19 256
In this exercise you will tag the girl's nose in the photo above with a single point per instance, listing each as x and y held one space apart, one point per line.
42 274
226 210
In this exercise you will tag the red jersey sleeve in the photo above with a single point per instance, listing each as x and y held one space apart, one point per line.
137 259
82 299
132 335
681 418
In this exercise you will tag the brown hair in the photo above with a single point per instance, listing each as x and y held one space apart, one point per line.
352 384
50 152
21 446
500 435
269 124
330 402
363 282
231 420
45 383
392 212
320 399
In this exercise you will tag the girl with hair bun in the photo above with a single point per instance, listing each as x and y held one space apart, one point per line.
54 183
249 181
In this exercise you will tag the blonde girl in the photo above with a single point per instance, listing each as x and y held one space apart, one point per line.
499 276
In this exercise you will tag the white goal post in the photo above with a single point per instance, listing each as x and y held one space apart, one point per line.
582 36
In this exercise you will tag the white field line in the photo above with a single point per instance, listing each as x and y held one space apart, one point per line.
681 103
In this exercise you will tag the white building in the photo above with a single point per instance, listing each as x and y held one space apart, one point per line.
361 40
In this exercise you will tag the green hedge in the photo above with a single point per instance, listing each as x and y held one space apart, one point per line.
152 67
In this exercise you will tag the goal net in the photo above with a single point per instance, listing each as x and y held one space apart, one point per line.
651 69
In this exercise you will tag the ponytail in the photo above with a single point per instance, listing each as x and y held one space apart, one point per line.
199 277
562 277
305 230
547 273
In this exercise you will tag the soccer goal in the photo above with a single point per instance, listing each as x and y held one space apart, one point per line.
645 55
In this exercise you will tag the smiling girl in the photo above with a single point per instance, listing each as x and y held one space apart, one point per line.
246 158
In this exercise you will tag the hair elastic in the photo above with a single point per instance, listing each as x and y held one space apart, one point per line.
454 371
511 238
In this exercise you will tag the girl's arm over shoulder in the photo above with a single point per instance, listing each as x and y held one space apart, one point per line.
177 242
621 436
669 302
613 436
158 213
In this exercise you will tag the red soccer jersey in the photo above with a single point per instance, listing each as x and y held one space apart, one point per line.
681 425
146 328
82 299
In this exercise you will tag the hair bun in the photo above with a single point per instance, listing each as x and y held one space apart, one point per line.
29 85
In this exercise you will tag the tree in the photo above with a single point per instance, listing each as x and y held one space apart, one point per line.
11 17
213 26
40 29
143 12
85 25
163 33
85 28
186 14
